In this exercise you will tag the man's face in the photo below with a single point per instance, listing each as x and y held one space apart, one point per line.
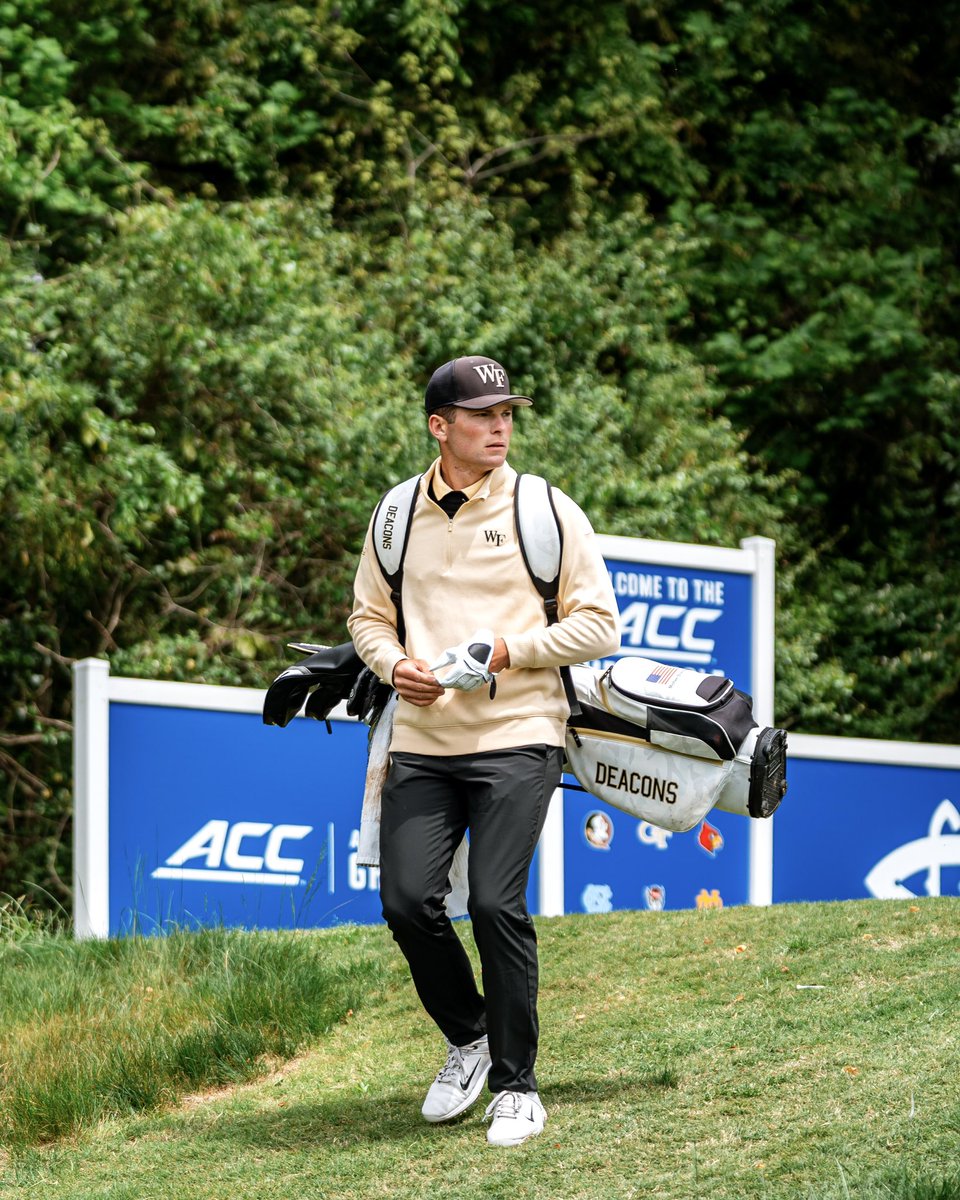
478 440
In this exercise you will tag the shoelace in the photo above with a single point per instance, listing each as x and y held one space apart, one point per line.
507 1104
452 1069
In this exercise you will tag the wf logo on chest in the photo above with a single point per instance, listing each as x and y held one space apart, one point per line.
494 537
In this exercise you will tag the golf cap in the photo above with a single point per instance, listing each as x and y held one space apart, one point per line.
474 381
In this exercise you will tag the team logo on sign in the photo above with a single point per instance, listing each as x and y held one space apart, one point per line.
653 835
654 896
597 898
710 839
598 830
940 848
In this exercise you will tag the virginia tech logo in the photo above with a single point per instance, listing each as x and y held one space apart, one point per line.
940 848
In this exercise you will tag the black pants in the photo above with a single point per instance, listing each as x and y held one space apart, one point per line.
428 803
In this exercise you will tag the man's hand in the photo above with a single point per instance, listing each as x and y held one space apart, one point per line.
501 657
416 683
469 663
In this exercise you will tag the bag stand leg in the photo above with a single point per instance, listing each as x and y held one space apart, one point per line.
768 772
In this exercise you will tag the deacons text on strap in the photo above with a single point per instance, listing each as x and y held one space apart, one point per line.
539 534
391 532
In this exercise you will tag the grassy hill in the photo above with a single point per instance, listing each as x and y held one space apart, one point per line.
801 1051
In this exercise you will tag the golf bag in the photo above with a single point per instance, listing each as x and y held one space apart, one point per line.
667 744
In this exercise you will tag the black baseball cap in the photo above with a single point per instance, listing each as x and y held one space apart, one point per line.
474 381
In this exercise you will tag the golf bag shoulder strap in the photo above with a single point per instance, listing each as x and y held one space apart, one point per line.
391 532
539 534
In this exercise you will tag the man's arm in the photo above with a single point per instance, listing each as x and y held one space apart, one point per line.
589 625
500 659
373 627
373 621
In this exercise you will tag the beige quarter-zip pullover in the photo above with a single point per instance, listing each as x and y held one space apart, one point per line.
467 573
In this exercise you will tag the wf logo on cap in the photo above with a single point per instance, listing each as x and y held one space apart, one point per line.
492 373
473 381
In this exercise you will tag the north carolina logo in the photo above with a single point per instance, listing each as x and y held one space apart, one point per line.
597 898
939 848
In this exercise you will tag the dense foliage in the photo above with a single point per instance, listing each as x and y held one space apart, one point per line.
716 239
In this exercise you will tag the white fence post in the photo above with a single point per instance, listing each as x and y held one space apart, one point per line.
550 879
760 889
91 791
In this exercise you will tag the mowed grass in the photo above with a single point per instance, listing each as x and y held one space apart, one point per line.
801 1051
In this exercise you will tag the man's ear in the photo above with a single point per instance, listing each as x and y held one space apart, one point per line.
437 426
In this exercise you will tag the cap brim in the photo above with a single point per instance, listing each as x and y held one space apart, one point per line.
490 401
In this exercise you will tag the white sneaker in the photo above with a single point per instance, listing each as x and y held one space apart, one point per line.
459 1081
516 1116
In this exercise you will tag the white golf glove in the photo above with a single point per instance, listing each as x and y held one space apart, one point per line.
470 663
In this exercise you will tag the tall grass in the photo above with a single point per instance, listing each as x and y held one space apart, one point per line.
94 1029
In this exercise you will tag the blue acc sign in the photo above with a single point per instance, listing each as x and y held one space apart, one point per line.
191 811
218 852
212 818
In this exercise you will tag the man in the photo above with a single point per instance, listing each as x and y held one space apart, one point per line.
486 759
